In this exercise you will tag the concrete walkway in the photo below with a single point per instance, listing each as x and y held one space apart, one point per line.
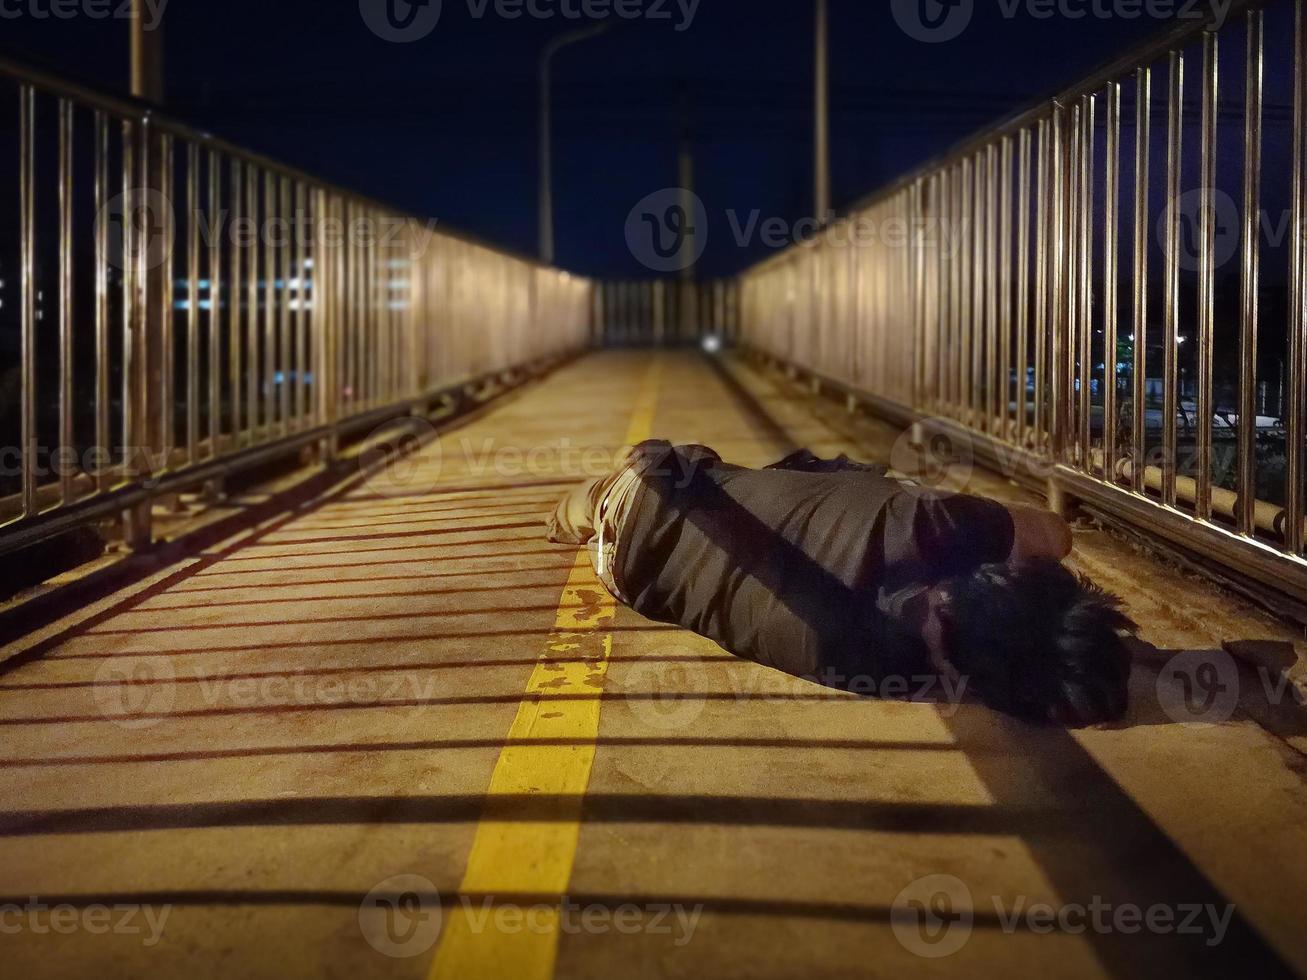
399 734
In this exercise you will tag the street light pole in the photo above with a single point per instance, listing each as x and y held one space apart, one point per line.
146 55
821 134
546 151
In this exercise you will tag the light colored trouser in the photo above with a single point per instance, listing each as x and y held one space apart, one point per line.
593 515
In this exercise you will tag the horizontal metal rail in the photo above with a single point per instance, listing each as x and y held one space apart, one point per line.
185 308
1048 292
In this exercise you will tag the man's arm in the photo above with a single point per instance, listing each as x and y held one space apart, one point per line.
1037 533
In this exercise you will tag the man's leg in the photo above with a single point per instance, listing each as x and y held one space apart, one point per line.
576 516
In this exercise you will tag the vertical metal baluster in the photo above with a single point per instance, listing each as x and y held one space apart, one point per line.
129 299
988 402
167 315
943 217
1023 281
948 304
961 230
27 246
1003 383
323 320
1043 286
66 435
914 273
326 290
981 273
919 286
365 361
1296 423
924 301
1066 384
192 303
363 309
343 314
367 358
1139 345
271 320
346 320
253 359
855 331
300 276
949 243
102 436
1246 516
386 321
1086 273
1174 150
932 220
362 306
1066 175
216 229
140 436
377 339
966 323
350 322
1111 265
1206 281
897 305
388 318
236 294
283 305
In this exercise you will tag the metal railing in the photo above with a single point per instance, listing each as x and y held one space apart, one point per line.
174 307
665 312
1055 293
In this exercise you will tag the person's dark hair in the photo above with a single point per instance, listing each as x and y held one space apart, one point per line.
1039 642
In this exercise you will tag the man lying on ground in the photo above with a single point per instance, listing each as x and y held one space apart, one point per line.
830 570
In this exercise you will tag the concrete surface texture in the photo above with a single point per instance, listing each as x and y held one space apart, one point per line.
398 734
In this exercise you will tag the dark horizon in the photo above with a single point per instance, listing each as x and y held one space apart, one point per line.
358 111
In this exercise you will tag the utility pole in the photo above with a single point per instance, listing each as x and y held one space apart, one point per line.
546 143
687 305
147 55
821 155
685 167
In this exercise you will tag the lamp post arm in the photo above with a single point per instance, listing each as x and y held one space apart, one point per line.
546 151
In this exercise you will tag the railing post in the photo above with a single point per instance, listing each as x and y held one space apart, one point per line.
1058 281
146 277
328 285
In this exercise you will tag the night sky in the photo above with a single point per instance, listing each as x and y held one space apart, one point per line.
446 126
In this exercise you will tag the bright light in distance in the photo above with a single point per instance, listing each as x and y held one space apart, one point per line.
712 343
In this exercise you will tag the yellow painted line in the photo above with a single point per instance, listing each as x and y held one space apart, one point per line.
535 858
